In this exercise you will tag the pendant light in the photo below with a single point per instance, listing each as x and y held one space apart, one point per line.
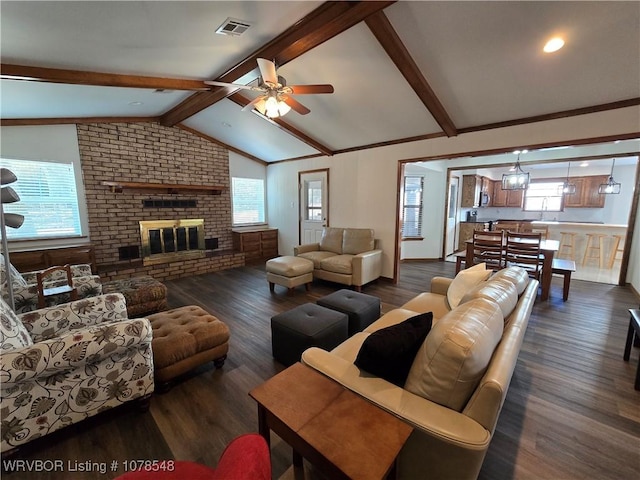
567 188
518 180
611 187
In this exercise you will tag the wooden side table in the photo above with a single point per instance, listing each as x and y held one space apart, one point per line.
634 331
341 433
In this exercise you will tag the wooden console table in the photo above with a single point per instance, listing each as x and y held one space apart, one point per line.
339 432
31 260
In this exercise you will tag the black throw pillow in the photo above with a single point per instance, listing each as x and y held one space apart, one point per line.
389 352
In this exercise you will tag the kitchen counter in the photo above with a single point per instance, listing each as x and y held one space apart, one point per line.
579 224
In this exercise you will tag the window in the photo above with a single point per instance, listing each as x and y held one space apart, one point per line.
412 207
544 196
248 200
314 200
48 200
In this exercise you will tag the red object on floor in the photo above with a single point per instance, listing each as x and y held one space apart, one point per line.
247 457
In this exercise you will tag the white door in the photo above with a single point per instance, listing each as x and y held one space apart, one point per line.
314 204
452 211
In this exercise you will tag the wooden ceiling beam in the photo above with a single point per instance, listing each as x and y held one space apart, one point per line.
21 122
324 23
290 129
79 77
384 32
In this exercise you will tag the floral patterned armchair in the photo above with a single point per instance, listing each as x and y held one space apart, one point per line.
62 364
25 286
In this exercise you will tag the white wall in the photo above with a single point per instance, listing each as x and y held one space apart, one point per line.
432 226
363 184
57 143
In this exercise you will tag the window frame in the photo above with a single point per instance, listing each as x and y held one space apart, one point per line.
234 202
420 208
557 182
81 228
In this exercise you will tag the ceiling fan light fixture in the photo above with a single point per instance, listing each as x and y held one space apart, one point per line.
611 187
553 45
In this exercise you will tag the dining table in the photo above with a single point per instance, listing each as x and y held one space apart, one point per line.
548 249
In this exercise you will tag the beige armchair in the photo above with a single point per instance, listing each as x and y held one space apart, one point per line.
25 286
62 364
344 255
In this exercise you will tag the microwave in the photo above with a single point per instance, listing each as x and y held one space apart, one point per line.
484 199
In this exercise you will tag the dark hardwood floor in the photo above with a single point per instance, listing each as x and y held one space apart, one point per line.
571 411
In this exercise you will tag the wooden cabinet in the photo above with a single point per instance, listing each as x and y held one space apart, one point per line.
586 195
466 232
506 198
471 187
31 260
256 244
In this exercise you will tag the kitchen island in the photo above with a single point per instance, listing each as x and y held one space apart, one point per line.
605 271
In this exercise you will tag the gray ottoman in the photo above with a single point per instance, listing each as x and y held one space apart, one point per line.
361 308
308 325
289 272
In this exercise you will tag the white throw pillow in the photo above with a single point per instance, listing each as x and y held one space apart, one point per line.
465 281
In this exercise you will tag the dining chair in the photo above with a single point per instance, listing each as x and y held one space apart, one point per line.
523 250
488 247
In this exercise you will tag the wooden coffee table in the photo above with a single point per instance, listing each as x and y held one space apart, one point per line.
339 432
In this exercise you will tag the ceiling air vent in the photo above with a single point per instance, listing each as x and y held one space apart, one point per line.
233 27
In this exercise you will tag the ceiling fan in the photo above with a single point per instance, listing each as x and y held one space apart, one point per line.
275 98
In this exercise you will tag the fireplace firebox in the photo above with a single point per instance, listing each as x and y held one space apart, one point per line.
165 241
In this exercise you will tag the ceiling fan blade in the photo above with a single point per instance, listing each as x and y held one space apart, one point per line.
309 89
253 103
295 105
268 71
234 85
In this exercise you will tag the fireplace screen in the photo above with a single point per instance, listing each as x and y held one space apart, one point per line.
171 240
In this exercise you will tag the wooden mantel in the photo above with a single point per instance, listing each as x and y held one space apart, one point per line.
164 187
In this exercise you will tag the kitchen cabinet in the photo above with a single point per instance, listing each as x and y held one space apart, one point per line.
586 195
471 187
256 244
506 198
466 232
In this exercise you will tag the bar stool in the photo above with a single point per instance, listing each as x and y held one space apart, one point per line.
615 249
567 245
594 248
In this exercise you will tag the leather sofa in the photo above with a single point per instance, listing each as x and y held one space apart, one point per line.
344 255
453 416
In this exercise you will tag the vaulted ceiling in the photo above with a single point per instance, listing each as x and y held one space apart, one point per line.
401 71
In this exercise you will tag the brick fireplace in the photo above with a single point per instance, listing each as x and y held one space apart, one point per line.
152 153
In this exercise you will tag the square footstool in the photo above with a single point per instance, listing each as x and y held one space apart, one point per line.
143 294
308 325
361 308
185 338
288 271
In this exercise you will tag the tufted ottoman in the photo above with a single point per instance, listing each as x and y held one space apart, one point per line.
305 326
361 308
143 294
184 338
289 272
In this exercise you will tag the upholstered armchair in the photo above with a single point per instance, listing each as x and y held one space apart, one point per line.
62 364
25 286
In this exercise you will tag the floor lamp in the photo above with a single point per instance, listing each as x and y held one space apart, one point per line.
13 220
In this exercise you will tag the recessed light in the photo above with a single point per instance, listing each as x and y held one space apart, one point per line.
553 45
